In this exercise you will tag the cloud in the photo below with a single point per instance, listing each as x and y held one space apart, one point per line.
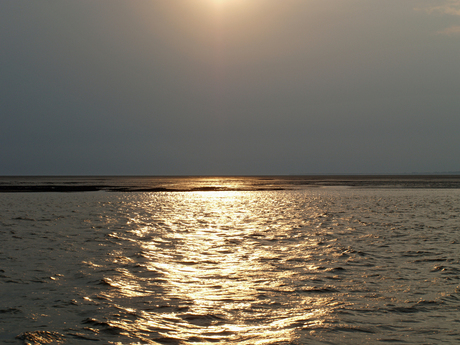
451 31
445 7
451 7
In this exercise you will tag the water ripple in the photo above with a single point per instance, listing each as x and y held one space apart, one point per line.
315 266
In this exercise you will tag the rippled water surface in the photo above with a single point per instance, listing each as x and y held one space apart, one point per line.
314 266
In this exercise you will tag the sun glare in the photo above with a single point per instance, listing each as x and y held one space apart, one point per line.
225 3
219 3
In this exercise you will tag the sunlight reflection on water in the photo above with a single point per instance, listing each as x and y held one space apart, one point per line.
317 266
223 271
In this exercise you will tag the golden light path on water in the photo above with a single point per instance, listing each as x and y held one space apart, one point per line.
227 268
305 266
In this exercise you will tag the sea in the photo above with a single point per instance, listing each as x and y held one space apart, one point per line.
230 260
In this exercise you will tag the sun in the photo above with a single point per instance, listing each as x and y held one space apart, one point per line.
228 4
219 3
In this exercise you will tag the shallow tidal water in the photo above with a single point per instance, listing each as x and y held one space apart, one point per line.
329 265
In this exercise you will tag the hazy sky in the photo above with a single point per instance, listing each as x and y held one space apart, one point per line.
204 87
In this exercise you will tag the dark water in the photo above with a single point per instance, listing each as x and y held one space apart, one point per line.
210 183
326 265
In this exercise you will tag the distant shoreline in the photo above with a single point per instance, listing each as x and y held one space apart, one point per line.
67 184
